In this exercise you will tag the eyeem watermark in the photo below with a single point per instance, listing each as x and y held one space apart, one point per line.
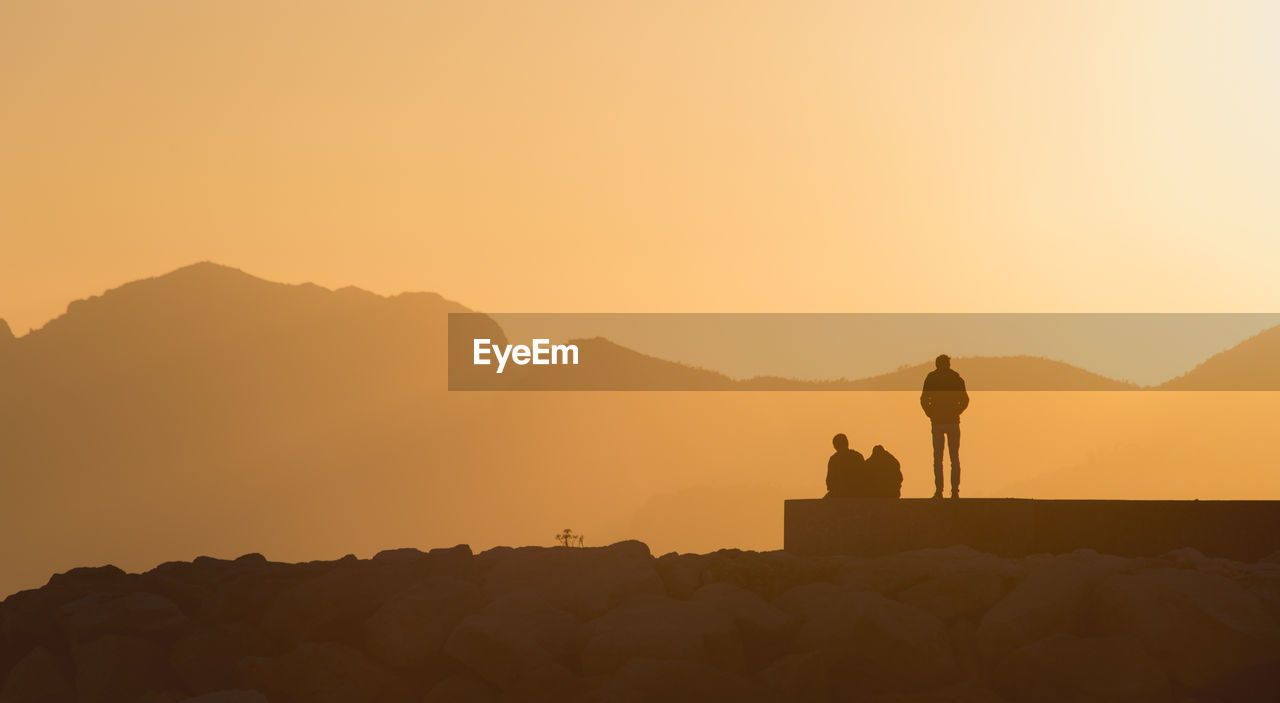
540 353
862 351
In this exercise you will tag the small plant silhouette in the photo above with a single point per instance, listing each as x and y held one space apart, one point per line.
568 539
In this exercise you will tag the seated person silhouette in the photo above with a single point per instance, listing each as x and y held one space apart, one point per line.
846 471
884 474
851 476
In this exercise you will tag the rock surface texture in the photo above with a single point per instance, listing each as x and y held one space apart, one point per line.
617 624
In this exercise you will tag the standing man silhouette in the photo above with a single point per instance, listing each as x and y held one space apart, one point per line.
943 399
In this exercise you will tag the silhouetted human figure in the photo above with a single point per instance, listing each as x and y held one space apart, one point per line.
844 470
943 399
884 474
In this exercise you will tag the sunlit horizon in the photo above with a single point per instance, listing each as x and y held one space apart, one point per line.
764 157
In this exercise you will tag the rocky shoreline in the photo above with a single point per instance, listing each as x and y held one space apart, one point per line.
617 624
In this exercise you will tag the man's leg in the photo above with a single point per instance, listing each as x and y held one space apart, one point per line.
938 438
953 443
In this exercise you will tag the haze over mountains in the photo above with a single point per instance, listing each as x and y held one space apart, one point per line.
210 411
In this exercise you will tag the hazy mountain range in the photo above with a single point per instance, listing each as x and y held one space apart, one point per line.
207 410
198 300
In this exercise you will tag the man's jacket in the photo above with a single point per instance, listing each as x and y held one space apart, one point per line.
944 397
845 474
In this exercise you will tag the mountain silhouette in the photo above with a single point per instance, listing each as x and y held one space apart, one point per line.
1250 365
207 406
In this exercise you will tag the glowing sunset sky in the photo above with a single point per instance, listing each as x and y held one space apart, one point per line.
649 156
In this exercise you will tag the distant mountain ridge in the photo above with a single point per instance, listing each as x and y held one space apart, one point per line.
216 404
1253 364
1246 366
993 373
607 365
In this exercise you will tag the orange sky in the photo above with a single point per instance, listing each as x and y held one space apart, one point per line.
662 155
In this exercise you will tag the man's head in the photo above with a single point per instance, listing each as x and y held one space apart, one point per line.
840 442
942 362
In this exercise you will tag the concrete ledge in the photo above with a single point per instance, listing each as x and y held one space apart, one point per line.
1238 529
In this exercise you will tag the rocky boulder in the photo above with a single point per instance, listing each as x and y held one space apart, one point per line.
586 582
519 643
657 627
230 696
645 679
322 673
1069 669
409 629
956 594
39 677
869 643
1050 599
1207 632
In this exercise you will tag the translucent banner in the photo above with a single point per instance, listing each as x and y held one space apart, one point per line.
862 351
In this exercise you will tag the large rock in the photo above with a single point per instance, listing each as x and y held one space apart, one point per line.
1070 669
89 578
643 679
520 644
1262 579
225 591
892 574
333 605
229 696
682 574
438 563
321 673
411 628
38 677
811 600
869 643
747 608
657 627
763 629
582 581
1208 633
798 677
957 594
194 585
118 668
138 613
1051 599
767 573
463 688
207 657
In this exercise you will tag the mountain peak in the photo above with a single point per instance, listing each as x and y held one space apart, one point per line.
6 334
202 281
205 271
205 266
